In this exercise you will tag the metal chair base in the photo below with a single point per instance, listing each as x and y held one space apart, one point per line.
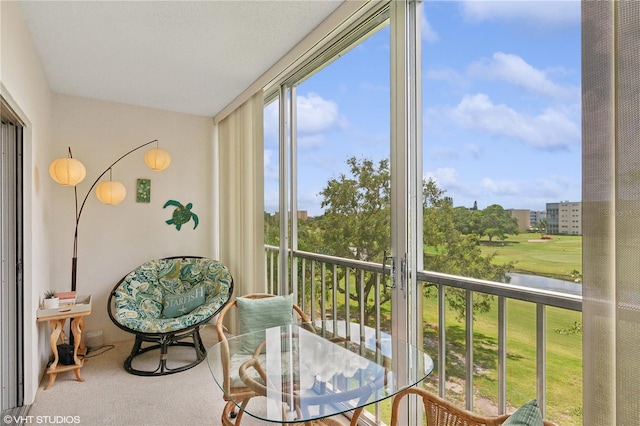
163 342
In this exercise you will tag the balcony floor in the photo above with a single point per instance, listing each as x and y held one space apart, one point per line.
109 395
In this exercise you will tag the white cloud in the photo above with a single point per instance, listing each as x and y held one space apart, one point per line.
311 201
428 33
270 165
311 141
271 122
445 177
555 187
317 115
271 201
542 14
551 129
515 70
448 75
497 187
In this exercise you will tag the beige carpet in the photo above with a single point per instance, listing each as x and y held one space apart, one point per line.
111 396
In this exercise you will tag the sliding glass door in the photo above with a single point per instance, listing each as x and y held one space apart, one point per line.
11 255
342 159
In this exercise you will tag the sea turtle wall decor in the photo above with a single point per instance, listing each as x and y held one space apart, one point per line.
181 215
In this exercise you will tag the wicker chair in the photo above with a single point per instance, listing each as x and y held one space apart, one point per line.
240 393
136 305
443 413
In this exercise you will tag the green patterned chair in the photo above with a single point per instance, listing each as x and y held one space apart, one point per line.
165 302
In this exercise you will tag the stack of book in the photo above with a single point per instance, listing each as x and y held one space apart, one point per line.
66 297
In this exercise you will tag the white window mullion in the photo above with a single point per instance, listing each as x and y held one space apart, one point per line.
406 180
293 138
415 258
283 115
398 164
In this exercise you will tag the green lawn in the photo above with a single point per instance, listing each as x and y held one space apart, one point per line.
556 257
563 352
564 357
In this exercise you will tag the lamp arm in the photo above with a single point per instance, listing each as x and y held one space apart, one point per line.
79 212
105 172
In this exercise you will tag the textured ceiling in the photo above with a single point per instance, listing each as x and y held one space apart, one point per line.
186 56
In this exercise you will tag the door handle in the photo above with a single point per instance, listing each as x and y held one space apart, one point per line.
403 272
384 270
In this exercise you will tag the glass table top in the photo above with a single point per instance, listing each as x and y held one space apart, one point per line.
305 372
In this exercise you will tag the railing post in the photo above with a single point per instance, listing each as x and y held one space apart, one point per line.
334 298
442 341
376 298
541 356
468 386
313 290
361 304
303 284
323 291
502 355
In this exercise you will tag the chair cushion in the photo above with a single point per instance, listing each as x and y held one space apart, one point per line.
260 314
139 296
527 415
175 305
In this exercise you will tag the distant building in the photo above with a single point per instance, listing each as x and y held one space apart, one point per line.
564 218
523 218
535 216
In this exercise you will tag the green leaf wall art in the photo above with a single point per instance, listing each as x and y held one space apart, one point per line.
143 190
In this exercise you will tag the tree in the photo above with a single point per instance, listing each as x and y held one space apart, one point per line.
356 225
542 226
468 221
498 223
356 219
272 228
455 253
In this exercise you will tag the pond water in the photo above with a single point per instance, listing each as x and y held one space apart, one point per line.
545 283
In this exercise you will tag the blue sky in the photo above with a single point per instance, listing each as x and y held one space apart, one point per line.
501 107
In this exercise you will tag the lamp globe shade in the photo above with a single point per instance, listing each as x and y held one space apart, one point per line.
67 171
157 159
111 192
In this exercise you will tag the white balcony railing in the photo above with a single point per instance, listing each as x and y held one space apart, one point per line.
320 281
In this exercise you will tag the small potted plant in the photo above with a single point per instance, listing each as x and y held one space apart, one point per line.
50 300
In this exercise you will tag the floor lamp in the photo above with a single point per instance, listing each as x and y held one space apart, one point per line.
68 171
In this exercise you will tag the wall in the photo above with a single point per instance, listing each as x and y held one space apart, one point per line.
113 240
25 87
523 217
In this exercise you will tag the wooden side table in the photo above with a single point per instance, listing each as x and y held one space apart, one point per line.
56 321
